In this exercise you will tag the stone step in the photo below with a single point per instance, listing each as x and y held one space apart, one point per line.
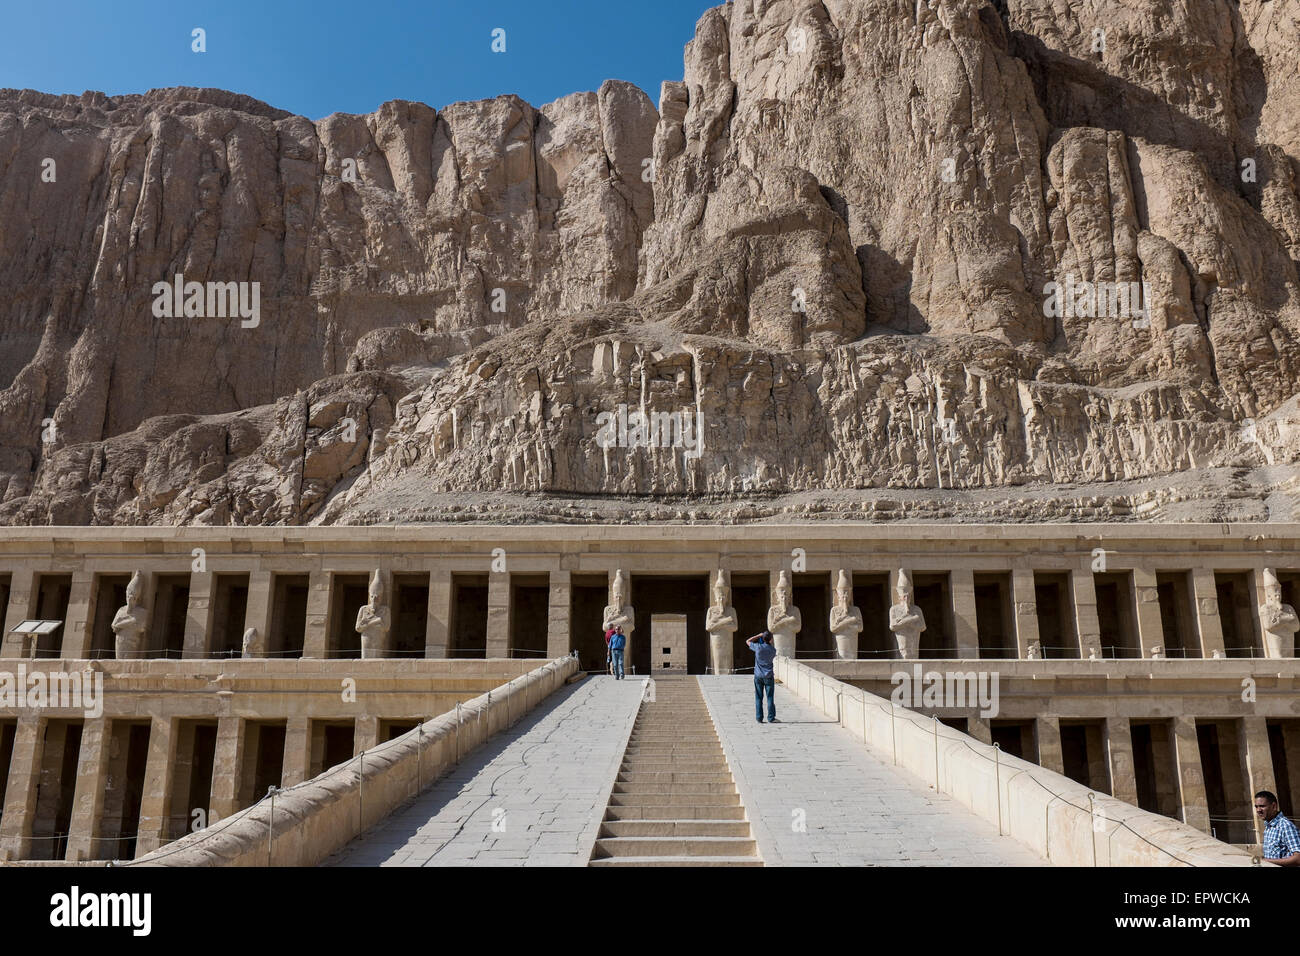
666 800
682 765
694 778
675 846
637 786
678 861
681 828
681 811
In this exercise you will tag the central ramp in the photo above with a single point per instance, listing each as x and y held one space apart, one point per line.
674 802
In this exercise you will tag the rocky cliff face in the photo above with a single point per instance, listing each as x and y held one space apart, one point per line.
865 247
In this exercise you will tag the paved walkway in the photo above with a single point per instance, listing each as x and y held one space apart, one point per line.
533 795
858 810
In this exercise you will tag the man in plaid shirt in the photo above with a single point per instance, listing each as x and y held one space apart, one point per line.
1281 838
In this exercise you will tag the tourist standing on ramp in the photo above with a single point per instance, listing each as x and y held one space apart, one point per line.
617 642
764 677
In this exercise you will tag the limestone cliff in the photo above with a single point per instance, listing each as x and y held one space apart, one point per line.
830 251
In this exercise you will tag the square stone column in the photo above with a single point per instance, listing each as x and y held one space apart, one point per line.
297 751
22 597
1150 629
1191 778
1256 763
1050 755
227 768
20 792
437 634
1119 747
258 612
559 641
315 641
88 798
1255 588
498 615
981 729
1026 604
365 734
962 582
1086 621
81 614
1208 622
156 800
198 616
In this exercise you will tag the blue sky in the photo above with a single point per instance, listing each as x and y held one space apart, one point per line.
327 56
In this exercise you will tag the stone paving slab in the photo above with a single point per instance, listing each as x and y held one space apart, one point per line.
545 782
858 810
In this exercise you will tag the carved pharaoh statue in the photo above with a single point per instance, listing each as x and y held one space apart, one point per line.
783 618
721 625
374 620
906 620
130 621
1278 621
618 613
846 620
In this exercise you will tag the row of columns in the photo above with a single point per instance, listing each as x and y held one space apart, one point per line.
200 613
97 762
1188 783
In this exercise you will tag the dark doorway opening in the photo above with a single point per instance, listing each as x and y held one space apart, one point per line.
1083 753
55 792
812 596
933 595
1177 614
1237 613
589 594
171 602
469 614
8 732
392 729
651 595
348 593
1056 628
1117 614
263 760
751 599
229 611
52 594
196 748
1016 737
993 616
530 600
871 595
410 614
332 743
288 615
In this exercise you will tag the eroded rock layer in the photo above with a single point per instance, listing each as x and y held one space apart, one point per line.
827 261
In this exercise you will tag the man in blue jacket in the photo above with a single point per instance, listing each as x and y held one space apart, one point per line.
617 644
764 677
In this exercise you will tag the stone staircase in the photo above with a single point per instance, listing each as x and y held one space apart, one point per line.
675 802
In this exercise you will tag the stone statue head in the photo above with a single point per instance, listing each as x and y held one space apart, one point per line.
904 587
1272 587
720 589
620 588
133 590
843 591
376 589
781 598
